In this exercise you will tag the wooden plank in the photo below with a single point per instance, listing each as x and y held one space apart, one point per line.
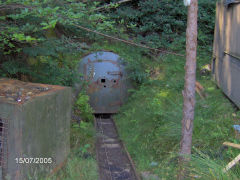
232 163
200 90
232 145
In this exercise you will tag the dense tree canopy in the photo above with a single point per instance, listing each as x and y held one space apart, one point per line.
40 42
163 22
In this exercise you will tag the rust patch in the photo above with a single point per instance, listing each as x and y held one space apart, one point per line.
88 76
93 87
85 72
115 73
116 103
110 61
97 85
96 100
115 83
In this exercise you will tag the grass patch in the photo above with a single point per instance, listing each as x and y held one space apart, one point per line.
81 163
150 123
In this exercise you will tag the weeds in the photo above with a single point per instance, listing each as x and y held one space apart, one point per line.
81 163
82 107
150 123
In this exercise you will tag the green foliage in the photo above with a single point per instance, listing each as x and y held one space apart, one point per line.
45 31
38 39
81 162
151 120
47 63
163 22
78 168
203 167
82 107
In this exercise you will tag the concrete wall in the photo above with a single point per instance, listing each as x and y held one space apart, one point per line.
10 113
38 128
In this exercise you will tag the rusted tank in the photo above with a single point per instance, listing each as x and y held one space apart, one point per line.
226 49
107 81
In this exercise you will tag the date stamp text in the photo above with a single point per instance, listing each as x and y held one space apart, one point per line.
29 160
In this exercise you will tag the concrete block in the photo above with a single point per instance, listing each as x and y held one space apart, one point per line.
34 126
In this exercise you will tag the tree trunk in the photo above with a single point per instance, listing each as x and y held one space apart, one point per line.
189 87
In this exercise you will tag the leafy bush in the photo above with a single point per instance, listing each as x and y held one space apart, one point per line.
39 41
82 107
163 22
46 63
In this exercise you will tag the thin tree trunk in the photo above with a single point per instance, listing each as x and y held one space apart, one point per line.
189 87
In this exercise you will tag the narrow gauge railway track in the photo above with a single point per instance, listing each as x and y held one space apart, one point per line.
113 160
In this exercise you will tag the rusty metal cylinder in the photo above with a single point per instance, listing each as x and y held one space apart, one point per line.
107 81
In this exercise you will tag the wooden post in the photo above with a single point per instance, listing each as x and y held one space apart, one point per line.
189 87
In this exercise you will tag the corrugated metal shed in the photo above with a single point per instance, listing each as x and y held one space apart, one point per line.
226 50
228 2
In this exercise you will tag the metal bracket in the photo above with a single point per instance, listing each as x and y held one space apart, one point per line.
233 55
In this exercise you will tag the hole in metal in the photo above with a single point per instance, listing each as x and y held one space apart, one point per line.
103 116
103 80
104 86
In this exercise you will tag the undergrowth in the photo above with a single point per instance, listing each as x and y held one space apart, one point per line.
150 122
39 41
81 163
82 107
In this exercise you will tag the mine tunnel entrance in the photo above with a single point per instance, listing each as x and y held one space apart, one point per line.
107 81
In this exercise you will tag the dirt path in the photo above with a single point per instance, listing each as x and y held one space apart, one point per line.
113 161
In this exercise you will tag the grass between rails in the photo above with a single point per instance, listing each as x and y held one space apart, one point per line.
150 122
